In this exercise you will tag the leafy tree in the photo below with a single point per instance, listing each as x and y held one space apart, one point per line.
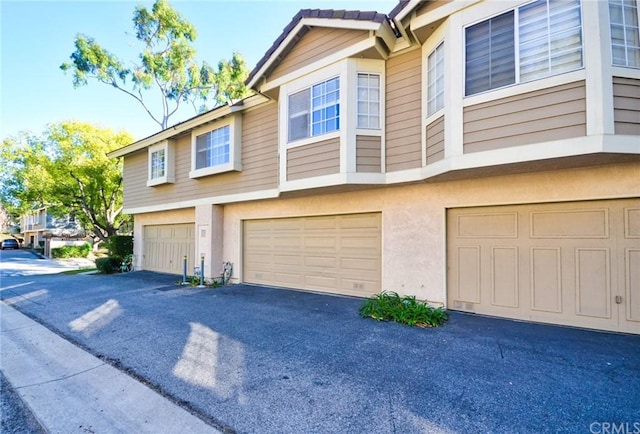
66 169
167 64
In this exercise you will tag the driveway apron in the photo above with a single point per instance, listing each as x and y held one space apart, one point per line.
265 360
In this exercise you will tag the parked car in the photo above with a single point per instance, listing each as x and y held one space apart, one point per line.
10 243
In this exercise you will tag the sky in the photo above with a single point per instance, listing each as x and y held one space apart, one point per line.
36 37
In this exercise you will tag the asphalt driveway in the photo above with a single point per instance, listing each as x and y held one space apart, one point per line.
257 359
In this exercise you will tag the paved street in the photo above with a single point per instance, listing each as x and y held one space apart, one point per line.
255 359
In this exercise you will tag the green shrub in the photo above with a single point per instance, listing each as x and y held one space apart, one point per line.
81 251
108 265
389 306
120 246
39 250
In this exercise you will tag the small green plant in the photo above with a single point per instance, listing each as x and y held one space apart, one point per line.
389 306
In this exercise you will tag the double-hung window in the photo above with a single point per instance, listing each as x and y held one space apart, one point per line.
161 163
368 101
315 110
158 162
212 148
625 34
435 80
534 41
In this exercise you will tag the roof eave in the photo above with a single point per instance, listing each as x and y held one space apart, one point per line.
189 124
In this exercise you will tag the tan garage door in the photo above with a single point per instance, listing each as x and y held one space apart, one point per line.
338 254
165 247
575 263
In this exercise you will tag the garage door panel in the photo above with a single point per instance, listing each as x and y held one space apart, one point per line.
287 260
359 222
321 282
283 278
593 290
321 262
326 243
488 225
632 222
469 274
359 243
359 264
572 263
504 274
320 223
632 284
570 224
333 253
546 280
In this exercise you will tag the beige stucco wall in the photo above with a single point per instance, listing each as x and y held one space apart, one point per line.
413 216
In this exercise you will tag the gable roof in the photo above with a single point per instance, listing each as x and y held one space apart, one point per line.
297 28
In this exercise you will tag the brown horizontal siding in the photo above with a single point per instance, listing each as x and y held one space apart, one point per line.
626 105
435 140
134 177
317 159
540 116
403 111
368 154
259 150
314 45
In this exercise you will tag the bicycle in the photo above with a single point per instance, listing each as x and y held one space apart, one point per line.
227 271
127 264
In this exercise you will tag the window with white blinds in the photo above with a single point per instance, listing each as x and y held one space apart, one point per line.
550 38
489 54
536 40
315 110
435 80
299 115
625 34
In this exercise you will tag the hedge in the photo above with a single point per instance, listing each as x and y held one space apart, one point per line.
120 246
81 251
108 265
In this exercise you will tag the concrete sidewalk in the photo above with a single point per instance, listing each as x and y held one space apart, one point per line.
70 391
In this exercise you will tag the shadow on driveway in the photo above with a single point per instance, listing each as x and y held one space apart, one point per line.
259 359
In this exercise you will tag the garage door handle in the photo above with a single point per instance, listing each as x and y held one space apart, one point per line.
618 299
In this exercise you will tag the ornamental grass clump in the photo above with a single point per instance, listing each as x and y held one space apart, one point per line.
389 306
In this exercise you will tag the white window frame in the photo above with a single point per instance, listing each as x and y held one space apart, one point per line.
310 109
626 45
369 102
337 69
168 177
235 137
439 48
158 161
516 28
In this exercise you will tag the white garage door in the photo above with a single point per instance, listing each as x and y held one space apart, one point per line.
165 247
338 254
574 263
